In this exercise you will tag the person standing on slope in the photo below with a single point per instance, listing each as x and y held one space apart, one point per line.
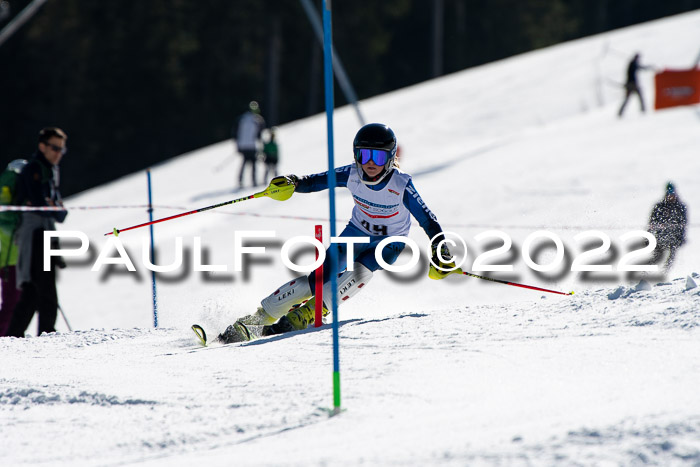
38 186
247 135
385 198
272 154
631 84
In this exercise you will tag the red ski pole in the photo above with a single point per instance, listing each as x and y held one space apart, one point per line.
515 284
277 192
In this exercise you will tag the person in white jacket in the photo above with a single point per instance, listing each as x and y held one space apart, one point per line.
248 139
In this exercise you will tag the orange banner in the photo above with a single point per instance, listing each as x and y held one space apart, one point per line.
677 87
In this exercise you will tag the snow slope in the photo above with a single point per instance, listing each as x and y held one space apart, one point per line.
455 372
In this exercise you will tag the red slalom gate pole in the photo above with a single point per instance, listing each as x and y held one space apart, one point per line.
318 319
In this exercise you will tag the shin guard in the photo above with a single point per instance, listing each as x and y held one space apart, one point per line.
283 299
349 283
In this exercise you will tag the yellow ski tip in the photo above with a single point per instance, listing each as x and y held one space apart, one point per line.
201 335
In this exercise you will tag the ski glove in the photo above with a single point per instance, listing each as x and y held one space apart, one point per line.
442 258
282 188
285 180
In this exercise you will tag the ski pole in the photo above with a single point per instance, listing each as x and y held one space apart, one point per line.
224 163
511 283
435 274
281 191
64 317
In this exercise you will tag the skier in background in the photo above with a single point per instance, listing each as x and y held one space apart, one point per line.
385 199
667 223
631 84
247 135
271 152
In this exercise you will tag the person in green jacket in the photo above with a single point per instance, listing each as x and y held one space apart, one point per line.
8 279
271 152
38 187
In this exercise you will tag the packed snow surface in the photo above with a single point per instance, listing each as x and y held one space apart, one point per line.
454 372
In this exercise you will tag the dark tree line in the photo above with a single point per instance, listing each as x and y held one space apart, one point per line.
135 83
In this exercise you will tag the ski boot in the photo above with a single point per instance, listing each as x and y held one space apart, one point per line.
259 318
237 332
298 318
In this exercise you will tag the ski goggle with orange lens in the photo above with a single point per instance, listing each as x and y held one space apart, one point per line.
378 156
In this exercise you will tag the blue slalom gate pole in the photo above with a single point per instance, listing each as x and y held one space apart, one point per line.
328 80
153 259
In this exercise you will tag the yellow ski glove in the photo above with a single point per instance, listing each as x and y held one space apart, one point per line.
282 188
443 258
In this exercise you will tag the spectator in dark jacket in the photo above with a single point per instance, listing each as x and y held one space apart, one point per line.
631 84
667 223
38 186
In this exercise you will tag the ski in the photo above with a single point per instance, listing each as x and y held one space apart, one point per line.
237 332
246 330
201 335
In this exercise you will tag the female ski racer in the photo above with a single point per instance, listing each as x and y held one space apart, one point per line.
384 199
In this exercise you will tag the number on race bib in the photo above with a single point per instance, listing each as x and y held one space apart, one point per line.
375 229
